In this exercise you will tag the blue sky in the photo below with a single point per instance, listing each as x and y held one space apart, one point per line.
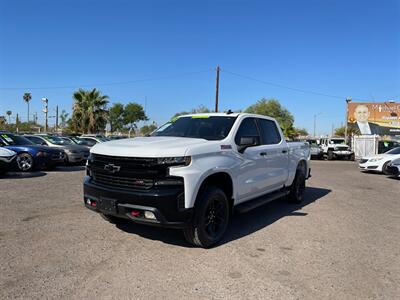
341 48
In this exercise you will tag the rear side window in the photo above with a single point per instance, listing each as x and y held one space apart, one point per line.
248 128
269 132
36 140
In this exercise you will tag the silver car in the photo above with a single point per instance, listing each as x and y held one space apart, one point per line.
75 153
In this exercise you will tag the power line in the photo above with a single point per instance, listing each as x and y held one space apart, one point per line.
288 87
105 84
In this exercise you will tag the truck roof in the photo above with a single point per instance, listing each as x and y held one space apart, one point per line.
225 115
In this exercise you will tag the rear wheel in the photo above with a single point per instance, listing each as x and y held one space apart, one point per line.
210 220
298 187
25 162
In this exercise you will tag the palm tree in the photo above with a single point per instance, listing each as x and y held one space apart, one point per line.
89 111
9 113
27 97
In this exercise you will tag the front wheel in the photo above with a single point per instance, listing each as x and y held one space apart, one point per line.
298 187
211 218
25 162
330 154
384 171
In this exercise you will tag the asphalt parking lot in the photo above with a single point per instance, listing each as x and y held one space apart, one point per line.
342 242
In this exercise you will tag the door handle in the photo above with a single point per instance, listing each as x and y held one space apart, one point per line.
284 151
263 153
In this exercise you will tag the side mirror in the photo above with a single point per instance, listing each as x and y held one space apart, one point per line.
245 142
43 143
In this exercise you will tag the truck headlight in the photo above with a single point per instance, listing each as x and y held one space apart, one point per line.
174 161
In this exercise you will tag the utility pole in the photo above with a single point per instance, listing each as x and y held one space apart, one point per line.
333 128
56 118
217 90
348 100
46 111
16 122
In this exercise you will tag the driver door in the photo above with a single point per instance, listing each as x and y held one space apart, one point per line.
251 176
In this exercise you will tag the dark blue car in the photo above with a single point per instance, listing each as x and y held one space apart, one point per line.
30 156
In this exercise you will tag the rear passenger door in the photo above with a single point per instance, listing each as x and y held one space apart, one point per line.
277 157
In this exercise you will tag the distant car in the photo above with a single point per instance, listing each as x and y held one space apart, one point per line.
7 157
74 153
29 155
378 163
75 140
95 139
315 149
393 168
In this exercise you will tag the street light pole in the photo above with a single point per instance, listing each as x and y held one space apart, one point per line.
348 100
46 110
315 123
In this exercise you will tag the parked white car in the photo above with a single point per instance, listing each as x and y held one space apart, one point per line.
393 168
6 158
378 163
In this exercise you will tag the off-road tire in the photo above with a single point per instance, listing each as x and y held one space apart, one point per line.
297 188
330 155
210 220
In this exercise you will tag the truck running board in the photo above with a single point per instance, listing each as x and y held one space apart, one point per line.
251 204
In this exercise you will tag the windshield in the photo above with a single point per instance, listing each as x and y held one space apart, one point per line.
56 140
12 139
337 142
312 142
394 151
200 127
67 141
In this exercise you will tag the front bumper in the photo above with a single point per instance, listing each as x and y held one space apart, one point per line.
165 203
342 153
75 157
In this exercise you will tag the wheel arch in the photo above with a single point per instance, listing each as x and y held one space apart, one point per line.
222 180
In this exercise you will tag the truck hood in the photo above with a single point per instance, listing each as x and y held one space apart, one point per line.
148 147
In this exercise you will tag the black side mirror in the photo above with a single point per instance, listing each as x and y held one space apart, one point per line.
247 141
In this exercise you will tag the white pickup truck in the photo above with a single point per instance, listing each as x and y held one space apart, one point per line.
194 172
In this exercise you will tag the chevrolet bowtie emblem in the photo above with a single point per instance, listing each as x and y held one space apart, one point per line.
111 168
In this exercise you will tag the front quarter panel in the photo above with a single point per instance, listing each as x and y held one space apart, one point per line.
200 168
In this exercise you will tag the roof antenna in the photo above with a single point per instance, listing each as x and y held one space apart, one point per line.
229 112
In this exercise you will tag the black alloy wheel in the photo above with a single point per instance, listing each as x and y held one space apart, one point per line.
298 187
211 218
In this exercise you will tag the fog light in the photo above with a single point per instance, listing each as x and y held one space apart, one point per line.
149 215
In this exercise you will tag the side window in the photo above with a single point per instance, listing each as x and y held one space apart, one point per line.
247 128
269 132
36 140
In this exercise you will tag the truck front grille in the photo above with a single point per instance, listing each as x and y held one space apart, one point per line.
131 173
122 182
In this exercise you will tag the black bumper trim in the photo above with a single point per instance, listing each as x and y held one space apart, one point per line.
162 202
